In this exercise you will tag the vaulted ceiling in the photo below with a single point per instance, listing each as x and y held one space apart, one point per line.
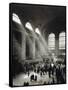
50 18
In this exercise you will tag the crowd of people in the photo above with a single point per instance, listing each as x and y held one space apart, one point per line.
56 71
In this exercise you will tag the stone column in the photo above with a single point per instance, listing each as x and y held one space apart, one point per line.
23 45
57 44
32 48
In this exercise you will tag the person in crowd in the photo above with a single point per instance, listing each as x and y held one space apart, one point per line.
49 70
26 84
32 77
58 73
35 78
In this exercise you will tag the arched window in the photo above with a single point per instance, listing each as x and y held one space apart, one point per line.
15 18
62 40
29 26
51 41
37 31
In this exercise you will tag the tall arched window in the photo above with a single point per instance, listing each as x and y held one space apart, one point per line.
15 18
51 41
37 31
62 40
29 26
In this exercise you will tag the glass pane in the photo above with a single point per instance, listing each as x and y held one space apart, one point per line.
62 40
51 41
16 18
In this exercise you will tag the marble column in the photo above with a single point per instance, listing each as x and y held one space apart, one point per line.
32 48
23 46
57 44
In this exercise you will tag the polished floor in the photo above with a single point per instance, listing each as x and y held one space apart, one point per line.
44 79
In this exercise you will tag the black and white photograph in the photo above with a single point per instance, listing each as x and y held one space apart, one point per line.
37 44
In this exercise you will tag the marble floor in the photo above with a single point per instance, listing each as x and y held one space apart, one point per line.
21 78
